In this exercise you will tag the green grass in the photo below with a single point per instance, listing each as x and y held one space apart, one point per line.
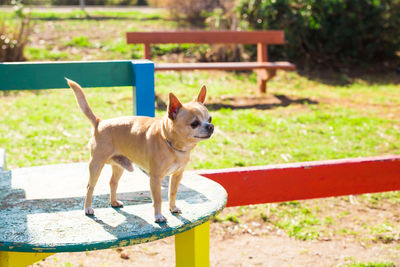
370 264
79 41
117 47
51 120
41 54
278 135
282 134
297 220
314 134
375 199
60 14
229 217
385 233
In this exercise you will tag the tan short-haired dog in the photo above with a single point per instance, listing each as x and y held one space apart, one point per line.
160 146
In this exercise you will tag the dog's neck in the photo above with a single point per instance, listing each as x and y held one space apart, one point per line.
173 140
174 148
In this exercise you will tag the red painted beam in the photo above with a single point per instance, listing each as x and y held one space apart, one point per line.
306 180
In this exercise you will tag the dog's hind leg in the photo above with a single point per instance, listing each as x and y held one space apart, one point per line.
96 164
116 175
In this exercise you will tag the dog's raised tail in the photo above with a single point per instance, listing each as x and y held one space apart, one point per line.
82 102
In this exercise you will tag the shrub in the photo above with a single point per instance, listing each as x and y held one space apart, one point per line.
223 17
14 35
193 12
329 31
215 15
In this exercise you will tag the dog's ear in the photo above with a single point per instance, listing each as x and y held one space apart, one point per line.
202 95
173 106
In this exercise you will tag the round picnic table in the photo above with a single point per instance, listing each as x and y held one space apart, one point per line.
41 213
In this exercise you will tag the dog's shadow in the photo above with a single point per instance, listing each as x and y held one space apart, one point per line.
185 193
135 224
131 224
16 199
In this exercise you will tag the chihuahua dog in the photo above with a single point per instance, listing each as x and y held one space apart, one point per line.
159 146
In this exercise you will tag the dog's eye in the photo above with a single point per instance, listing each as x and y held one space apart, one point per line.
195 124
209 119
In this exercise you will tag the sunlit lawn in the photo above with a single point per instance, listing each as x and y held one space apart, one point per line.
46 126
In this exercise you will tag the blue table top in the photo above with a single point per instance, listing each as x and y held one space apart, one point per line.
41 209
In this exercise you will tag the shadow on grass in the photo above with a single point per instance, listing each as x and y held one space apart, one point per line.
261 103
283 101
347 76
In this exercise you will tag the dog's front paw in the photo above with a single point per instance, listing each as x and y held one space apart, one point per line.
175 210
117 204
89 211
159 218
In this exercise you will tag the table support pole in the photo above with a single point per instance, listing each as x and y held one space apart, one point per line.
192 248
20 259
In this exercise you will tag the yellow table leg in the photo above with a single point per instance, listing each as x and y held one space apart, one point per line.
192 248
20 259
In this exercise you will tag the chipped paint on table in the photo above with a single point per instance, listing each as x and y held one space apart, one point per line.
41 209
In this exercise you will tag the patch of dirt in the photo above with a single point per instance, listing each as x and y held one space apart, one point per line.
283 251
236 250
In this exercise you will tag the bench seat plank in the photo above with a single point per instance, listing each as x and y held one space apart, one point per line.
207 37
282 65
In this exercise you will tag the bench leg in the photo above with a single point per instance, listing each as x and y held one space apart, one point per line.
262 85
263 76
20 259
192 248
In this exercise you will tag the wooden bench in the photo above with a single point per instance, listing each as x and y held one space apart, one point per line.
265 69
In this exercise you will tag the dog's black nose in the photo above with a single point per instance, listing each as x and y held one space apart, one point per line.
210 128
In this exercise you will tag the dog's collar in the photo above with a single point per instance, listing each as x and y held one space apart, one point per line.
174 148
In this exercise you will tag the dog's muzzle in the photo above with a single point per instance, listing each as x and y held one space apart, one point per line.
209 128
